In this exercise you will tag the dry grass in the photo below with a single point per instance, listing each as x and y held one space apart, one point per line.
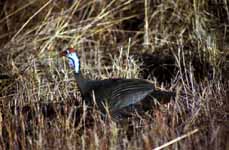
41 108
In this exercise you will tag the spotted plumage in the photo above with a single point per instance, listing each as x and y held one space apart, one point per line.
118 95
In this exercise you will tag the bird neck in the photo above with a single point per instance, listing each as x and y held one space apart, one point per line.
81 82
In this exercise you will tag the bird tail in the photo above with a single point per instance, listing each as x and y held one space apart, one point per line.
163 97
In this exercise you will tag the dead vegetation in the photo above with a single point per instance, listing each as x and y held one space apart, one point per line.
39 103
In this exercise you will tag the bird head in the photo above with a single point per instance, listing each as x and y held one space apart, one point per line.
73 59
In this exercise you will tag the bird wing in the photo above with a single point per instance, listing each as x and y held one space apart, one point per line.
129 92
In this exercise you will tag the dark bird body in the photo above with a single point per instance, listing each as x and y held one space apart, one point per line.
118 95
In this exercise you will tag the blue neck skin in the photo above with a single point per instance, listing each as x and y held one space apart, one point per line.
74 62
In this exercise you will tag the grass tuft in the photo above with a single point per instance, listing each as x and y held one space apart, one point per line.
180 45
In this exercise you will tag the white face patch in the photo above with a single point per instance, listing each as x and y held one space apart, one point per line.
74 61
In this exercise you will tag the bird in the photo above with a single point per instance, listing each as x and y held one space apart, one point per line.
116 96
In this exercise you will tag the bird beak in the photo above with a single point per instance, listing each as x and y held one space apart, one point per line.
63 53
